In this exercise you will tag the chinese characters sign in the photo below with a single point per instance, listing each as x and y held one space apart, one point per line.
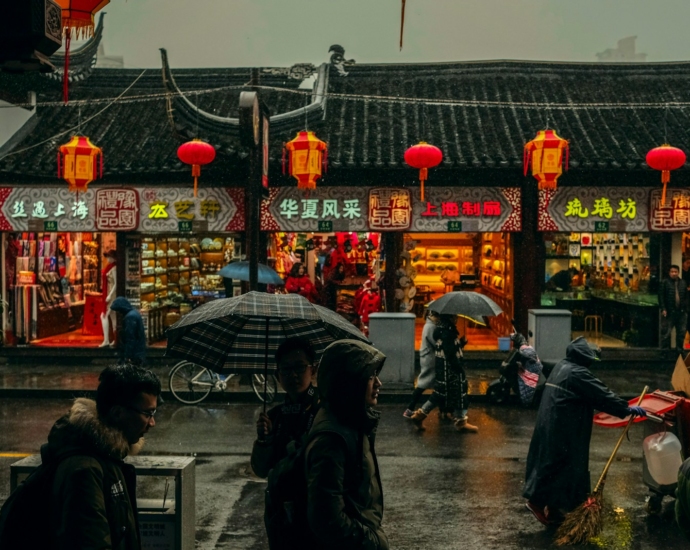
585 208
117 209
672 216
390 209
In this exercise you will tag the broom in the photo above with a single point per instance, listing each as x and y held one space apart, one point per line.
586 520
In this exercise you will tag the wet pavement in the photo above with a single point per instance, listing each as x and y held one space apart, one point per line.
443 490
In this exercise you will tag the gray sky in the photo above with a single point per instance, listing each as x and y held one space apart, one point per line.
229 33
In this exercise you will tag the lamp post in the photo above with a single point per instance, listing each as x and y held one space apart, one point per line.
254 128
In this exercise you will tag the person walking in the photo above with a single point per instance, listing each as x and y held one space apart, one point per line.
344 491
450 387
557 479
427 362
132 338
93 501
295 417
673 303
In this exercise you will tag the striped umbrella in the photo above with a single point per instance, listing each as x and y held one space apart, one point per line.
240 334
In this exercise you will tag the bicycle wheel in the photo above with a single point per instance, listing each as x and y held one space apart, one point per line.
271 387
190 383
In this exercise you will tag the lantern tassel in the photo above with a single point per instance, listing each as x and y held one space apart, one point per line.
567 156
65 74
196 172
423 174
665 178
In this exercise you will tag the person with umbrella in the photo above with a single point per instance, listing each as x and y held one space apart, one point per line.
450 388
293 419
427 362
557 477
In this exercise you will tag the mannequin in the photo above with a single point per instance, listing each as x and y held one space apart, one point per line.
109 284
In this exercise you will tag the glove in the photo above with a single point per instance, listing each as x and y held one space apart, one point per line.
637 411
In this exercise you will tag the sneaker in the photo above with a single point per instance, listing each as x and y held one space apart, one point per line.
418 418
538 513
408 413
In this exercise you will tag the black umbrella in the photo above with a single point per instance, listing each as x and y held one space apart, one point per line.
238 334
471 305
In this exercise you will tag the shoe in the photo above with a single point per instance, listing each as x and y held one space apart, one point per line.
112 344
408 413
538 513
554 517
462 425
418 418
104 344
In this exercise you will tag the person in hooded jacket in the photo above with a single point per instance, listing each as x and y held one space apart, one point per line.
427 362
344 492
557 479
132 338
450 387
93 500
682 508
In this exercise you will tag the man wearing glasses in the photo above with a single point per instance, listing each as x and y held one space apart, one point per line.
294 418
93 502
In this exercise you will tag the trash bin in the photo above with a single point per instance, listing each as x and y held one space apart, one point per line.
165 523
394 335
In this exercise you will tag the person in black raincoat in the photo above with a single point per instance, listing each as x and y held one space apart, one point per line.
450 386
557 478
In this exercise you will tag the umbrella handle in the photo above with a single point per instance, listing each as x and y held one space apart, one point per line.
600 483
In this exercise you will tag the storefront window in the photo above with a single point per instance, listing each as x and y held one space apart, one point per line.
604 280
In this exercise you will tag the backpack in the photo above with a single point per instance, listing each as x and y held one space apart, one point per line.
285 512
24 513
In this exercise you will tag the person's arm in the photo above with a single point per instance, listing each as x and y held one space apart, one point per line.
83 521
328 519
596 392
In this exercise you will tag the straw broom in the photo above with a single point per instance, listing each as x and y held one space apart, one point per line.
586 520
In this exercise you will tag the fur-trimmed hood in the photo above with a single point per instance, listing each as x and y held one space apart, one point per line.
81 428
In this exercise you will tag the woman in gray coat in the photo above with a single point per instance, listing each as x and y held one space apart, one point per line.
427 362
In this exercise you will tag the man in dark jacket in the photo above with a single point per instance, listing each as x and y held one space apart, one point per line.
683 499
132 338
557 478
93 502
344 492
673 302
292 420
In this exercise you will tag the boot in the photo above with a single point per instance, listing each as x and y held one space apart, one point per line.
418 419
462 425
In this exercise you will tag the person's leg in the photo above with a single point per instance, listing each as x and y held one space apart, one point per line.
420 415
461 424
666 327
681 323
411 406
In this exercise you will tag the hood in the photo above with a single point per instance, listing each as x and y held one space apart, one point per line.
81 428
122 305
344 372
580 352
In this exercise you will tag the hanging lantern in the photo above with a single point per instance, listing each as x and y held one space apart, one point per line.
79 163
307 157
423 156
665 158
546 153
77 16
197 153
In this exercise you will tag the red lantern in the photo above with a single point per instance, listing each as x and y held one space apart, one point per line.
77 15
546 153
196 153
665 158
307 158
423 156
80 162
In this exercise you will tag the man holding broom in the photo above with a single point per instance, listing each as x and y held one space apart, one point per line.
557 478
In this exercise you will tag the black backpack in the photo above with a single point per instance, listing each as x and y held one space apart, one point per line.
25 513
285 512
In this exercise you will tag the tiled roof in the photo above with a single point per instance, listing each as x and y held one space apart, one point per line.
480 114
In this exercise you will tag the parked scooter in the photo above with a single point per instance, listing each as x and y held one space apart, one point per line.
522 375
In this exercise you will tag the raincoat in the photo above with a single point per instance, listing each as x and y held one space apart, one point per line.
132 338
93 503
558 461
683 499
427 356
450 385
344 492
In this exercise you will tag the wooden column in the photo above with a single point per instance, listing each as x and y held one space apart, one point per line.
528 259
393 247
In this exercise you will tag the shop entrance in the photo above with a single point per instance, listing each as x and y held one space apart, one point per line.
477 262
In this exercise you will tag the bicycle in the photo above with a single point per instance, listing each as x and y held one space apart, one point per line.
191 383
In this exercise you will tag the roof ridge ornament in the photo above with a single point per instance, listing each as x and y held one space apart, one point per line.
298 71
338 59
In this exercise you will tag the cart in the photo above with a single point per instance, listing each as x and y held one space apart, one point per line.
667 412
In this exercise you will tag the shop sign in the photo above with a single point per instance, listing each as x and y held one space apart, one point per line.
117 209
184 226
621 209
672 216
390 209
46 209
